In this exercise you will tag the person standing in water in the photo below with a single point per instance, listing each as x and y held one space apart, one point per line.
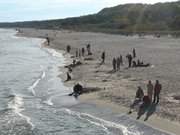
157 90
150 90
129 57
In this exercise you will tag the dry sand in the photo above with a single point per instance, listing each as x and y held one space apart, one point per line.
118 89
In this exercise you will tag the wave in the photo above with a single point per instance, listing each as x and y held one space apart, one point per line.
33 86
106 125
16 104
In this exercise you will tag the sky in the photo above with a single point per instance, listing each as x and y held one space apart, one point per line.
26 10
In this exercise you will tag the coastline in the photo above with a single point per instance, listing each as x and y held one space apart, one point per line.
94 78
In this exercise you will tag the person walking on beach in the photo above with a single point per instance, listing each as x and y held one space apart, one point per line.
48 40
118 63
157 90
103 56
121 60
129 57
114 64
150 90
68 77
68 48
134 53
76 53
89 49
138 98
83 51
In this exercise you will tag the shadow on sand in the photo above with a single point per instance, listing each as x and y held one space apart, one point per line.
148 110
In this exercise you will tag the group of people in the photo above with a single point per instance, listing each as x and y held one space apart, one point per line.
152 96
81 51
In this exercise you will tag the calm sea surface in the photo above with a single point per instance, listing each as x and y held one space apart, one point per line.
34 101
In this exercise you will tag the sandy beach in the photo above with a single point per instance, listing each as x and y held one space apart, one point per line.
117 90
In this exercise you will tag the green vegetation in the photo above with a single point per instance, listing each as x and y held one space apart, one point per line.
163 17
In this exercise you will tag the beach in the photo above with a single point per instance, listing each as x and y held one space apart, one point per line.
117 90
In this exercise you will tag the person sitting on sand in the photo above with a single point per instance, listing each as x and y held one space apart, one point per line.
138 98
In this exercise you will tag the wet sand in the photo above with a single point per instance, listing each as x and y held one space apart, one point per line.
117 90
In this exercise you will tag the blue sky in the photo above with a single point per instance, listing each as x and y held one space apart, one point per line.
24 10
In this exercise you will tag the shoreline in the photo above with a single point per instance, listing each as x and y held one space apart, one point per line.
155 121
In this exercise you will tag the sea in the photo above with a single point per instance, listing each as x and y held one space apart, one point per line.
34 100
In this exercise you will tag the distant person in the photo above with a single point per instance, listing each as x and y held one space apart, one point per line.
83 51
146 102
138 98
68 48
134 64
89 49
129 57
76 53
150 90
114 64
118 63
68 77
48 40
157 90
79 53
134 53
121 60
103 56
77 90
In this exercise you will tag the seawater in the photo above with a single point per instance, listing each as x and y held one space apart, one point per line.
34 101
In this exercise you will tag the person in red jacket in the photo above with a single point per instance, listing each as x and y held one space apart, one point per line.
157 90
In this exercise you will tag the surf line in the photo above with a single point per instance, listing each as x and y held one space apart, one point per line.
101 122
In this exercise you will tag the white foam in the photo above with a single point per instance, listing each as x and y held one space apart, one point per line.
49 102
31 88
43 75
102 123
16 104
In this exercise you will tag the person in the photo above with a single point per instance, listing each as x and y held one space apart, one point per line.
68 48
48 40
68 77
157 90
77 90
118 63
89 49
129 57
146 102
138 98
76 53
79 53
150 90
121 60
114 64
134 53
134 64
103 55
83 51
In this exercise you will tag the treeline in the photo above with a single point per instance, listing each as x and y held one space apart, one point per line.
128 18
